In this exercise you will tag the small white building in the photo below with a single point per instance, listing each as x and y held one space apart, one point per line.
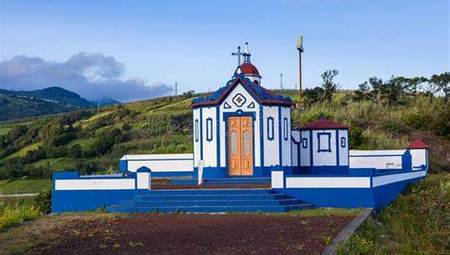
242 129
322 147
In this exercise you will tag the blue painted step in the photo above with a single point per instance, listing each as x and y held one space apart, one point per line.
215 202
209 200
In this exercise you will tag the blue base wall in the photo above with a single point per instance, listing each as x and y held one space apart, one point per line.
86 200
378 197
385 194
331 197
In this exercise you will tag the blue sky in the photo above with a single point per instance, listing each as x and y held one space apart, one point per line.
160 42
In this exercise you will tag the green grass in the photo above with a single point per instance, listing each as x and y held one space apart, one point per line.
22 152
322 212
56 164
416 223
83 142
4 130
24 186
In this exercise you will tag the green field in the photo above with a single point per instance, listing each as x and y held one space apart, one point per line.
23 186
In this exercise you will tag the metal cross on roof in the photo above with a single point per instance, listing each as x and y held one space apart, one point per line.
238 54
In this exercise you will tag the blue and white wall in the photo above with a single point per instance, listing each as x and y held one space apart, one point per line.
345 191
160 164
72 192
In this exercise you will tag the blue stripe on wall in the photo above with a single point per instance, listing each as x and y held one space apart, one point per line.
218 136
261 134
338 147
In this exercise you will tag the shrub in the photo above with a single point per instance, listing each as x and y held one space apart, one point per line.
43 201
17 214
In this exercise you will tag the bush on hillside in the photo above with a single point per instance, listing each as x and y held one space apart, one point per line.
43 201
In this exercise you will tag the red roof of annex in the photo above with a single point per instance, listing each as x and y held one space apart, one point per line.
418 144
324 124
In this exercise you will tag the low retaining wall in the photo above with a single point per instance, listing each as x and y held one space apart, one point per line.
378 159
72 192
160 164
345 191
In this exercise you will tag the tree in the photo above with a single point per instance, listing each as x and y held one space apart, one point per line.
74 151
328 84
441 82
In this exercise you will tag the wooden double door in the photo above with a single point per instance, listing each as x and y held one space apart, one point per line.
240 145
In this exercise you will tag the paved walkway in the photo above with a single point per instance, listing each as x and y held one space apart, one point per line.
19 195
348 231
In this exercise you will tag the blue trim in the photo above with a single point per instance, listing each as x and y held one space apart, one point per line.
261 134
304 142
270 126
329 142
239 104
201 134
196 130
285 128
209 129
280 144
218 136
343 142
337 148
123 165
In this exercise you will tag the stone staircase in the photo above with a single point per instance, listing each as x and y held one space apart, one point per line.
209 201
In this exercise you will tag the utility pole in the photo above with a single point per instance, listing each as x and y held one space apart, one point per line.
176 89
281 81
300 51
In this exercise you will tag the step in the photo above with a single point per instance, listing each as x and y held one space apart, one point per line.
229 191
209 197
216 203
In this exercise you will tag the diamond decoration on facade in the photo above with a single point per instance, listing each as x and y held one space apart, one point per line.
239 100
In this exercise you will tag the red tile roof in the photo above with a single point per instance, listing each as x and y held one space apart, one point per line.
418 144
324 124
248 68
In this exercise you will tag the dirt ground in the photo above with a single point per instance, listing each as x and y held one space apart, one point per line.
101 233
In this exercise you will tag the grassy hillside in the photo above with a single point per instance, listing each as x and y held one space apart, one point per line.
416 223
92 141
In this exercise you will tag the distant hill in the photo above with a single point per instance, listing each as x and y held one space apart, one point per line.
56 94
105 101
21 104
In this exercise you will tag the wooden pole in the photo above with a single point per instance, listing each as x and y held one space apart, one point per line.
300 93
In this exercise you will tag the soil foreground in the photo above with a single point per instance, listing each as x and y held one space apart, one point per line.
101 233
